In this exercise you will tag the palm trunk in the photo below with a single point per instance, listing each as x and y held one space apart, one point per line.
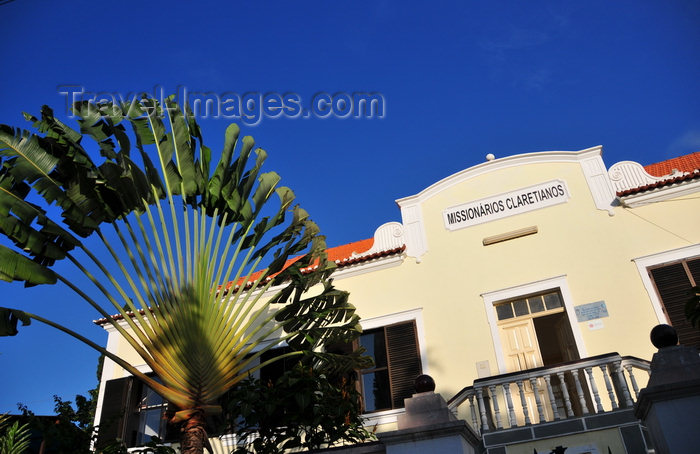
194 435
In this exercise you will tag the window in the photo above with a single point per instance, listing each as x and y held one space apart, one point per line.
394 349
559 318
529 305
534 330
673 282
112 424
132 412
151 415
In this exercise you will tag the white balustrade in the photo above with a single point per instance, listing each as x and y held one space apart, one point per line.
496 411
558 392
550 394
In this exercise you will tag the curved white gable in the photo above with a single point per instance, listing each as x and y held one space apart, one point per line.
497 164
589 159
629 174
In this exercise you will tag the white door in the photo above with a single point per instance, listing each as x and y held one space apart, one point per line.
522 352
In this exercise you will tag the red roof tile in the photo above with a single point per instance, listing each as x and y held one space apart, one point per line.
341 255
345 251
338 254
687 163
659 184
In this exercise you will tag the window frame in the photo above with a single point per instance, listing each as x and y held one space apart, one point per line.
374 369
141 412
126 422
394 388
491 299
415 315
686 332
659 259
530 313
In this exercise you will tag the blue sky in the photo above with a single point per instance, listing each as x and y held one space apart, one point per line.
459 80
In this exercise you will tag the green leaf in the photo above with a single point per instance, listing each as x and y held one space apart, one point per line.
9 319
216 181
31 161
16 267
168 237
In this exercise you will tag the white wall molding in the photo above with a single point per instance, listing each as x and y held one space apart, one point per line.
599 182
108 367
414 228
369 266
382 417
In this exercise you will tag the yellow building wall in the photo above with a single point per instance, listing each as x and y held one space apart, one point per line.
591 248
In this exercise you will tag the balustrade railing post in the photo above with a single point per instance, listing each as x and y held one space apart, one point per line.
579 391
594 387
523 402
482 409
552 400
509 402
496 409
623 383
608 386
538 400
565 392
630 372
475 421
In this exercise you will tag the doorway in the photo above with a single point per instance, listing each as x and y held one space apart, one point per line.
535 332
555 339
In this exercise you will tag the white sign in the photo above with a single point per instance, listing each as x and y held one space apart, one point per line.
595 324
503 205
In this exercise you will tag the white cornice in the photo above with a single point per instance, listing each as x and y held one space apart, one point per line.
369 266
497 164
589 160
660 194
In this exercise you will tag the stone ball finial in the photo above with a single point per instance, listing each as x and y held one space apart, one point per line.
664 336
424 383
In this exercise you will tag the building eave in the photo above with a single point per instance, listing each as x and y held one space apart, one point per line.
670 189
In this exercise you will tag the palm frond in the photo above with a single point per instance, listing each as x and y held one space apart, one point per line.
15 439
196 265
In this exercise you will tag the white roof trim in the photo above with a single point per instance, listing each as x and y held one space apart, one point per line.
497 164
589 160
672 191
387 237
629 174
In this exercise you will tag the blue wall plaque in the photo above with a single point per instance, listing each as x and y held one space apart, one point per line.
591 311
